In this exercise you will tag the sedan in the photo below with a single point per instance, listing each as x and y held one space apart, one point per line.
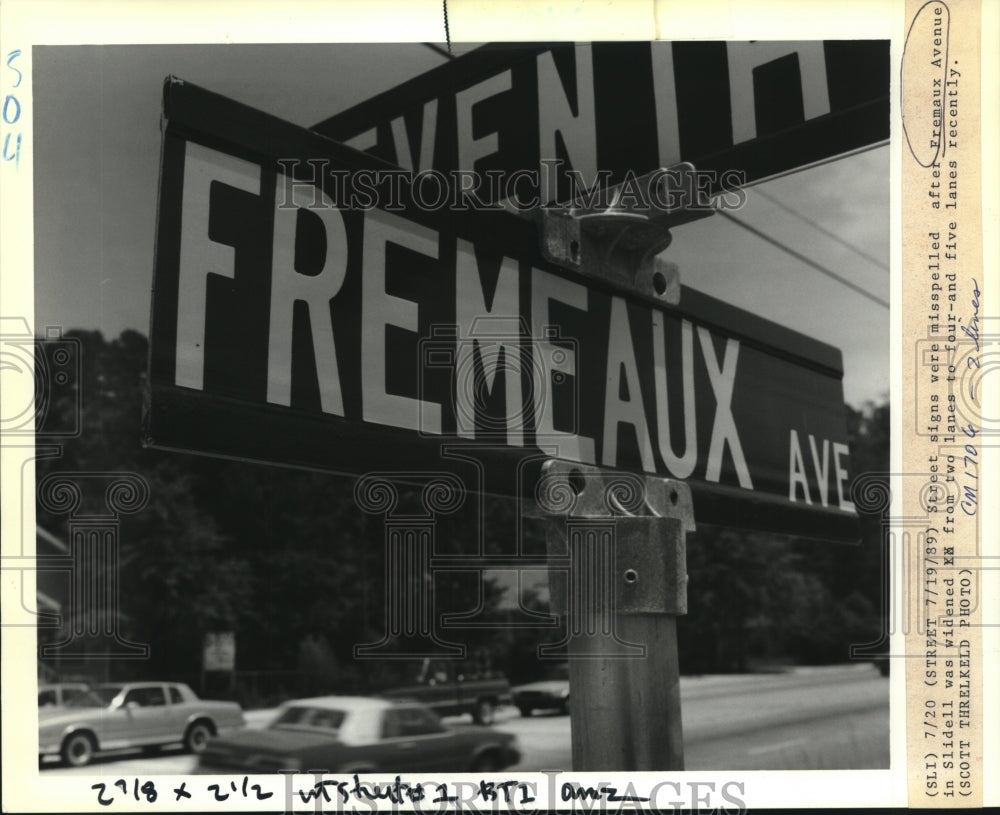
350 734
135 714
58 694
551 693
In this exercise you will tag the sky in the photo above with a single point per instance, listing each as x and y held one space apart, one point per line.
96 163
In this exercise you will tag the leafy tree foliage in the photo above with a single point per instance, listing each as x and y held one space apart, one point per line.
755 598
283 558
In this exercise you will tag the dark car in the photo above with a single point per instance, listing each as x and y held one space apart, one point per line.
550 693
351 734
453 688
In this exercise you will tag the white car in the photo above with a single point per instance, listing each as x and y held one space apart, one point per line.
57 694
133 714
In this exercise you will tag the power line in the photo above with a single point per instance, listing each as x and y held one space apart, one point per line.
820 228
799 256
820 163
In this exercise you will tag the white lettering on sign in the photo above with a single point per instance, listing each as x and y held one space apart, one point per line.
368 139
665 92
567 108
379 310
680 466
289 286
796 469
822 470
553 360
841 473
294 323
724 429
489 338
623 375
558 119
404 155
470 309
797 477
571 405
200 256
745 56
470 148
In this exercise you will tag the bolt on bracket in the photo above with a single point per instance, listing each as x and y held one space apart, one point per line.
619 239
633 528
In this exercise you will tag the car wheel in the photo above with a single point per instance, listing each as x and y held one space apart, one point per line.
525 710
78 749
483 714
488 762
196 737
564 707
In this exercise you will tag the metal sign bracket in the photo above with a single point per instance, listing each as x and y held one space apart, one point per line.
617 563
650 515
617 236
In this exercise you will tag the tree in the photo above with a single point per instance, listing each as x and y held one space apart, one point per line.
178 576
752 595
282 557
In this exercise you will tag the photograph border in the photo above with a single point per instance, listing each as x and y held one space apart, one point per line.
26 24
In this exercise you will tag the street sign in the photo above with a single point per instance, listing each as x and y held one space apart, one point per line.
308 310
219 652
738 111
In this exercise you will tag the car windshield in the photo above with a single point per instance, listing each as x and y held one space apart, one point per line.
301 717
100 696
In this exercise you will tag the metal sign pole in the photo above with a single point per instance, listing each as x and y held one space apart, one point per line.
621 537
616 546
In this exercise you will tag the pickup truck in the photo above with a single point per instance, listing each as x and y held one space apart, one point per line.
452 688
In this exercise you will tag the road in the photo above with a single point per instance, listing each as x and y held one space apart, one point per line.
807 719
825 719
820 719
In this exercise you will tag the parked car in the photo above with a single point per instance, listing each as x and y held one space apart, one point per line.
452 688
57 694
355 734
135 714
551 693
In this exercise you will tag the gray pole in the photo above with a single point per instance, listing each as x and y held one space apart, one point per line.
616 547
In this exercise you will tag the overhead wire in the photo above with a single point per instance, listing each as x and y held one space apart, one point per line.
819 267
820 228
